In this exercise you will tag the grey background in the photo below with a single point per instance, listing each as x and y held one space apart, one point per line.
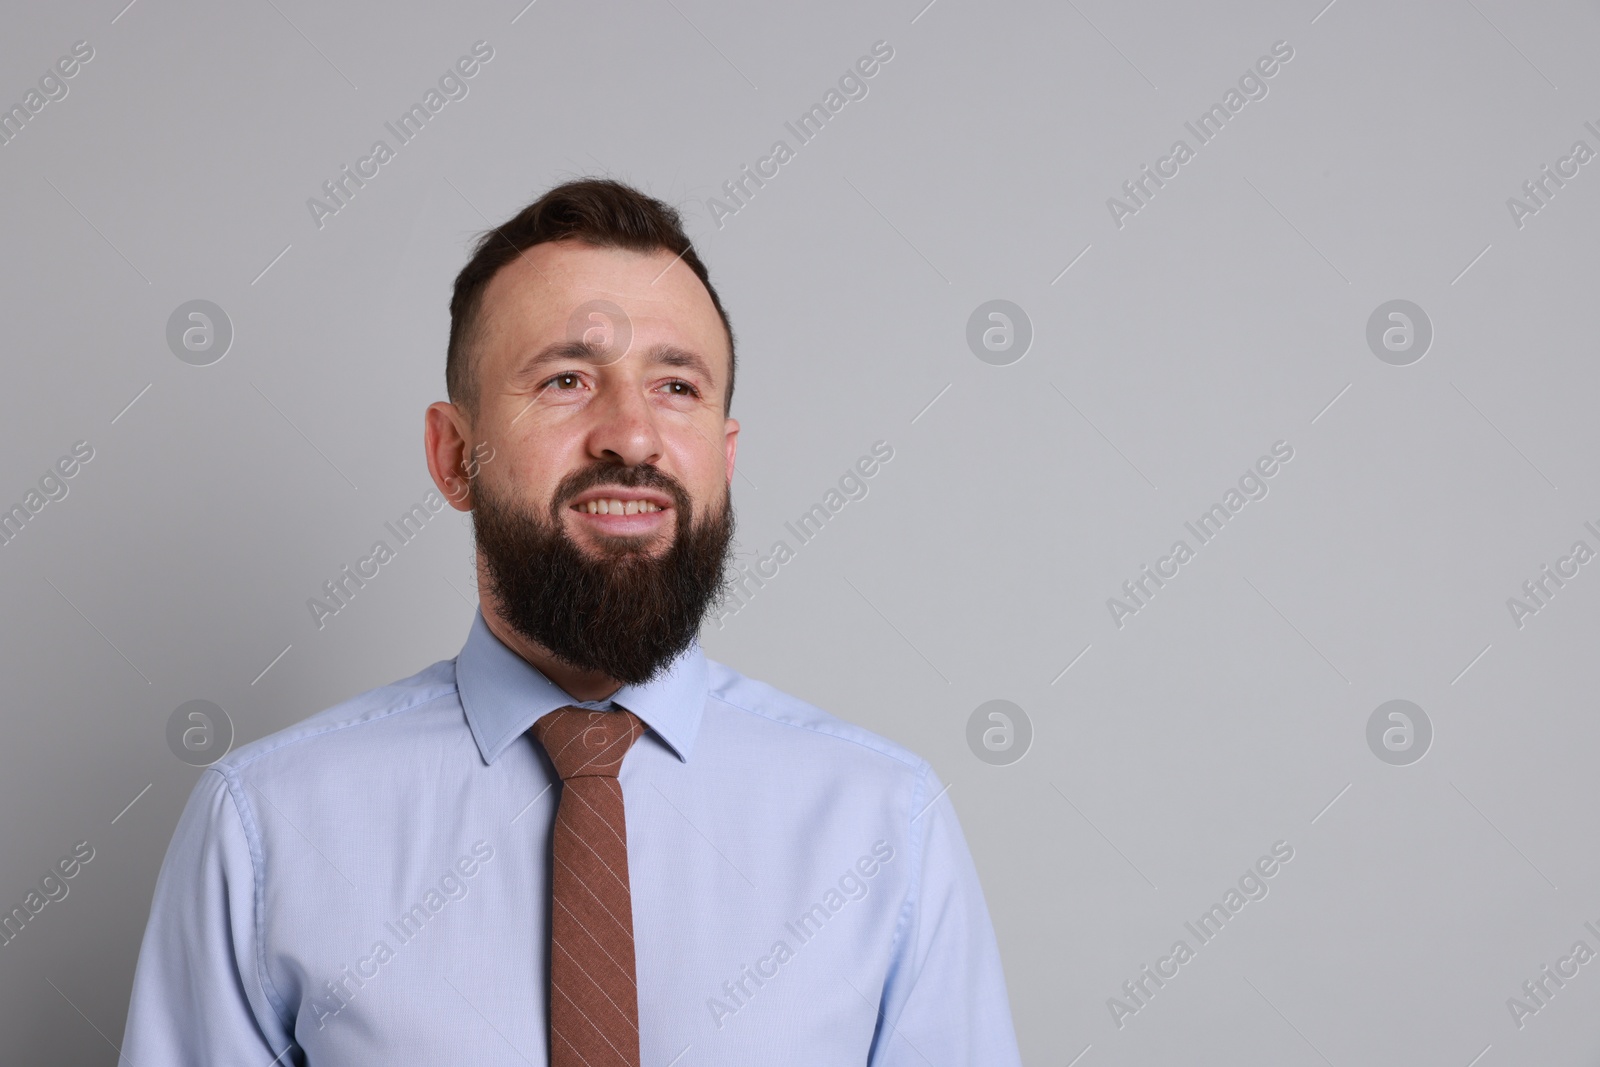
1226 315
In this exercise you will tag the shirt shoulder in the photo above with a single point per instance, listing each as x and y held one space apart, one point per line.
433 687
780 713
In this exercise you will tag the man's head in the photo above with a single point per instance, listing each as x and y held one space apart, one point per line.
590 372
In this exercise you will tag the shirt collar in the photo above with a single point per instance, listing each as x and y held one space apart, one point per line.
503 694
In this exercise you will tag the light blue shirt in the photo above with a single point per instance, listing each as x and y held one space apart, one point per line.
371 887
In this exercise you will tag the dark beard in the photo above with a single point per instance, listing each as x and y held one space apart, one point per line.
623 613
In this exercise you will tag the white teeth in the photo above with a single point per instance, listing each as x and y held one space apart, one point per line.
618 507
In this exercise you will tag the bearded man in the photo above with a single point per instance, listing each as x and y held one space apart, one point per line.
579 841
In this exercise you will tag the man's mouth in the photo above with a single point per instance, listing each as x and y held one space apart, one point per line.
620 511
618 507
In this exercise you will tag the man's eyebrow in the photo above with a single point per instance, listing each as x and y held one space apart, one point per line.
673 356
558 352
588 352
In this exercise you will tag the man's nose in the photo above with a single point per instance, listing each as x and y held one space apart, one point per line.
624 430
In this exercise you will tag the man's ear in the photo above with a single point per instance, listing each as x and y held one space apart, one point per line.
730 443
445 434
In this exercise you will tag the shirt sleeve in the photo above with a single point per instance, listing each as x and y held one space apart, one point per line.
198 999
944 998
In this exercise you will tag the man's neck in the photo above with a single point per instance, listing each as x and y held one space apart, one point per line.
581 685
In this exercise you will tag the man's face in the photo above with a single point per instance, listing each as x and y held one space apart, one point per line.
599 459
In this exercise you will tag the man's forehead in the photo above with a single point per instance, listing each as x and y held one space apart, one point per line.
533 297
556 270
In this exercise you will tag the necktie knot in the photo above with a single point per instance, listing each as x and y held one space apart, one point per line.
587 744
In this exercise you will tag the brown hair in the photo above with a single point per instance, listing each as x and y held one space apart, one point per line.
599 211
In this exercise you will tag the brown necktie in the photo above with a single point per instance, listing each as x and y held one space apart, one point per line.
594 1001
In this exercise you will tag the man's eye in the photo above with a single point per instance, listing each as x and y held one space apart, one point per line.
564 381
682 388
